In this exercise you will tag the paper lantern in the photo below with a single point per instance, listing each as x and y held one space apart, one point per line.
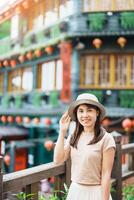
10 119
13 63
5 63
48 121
18 9
36 120
122 41
21 58
38 53
7 159
106 122
49 145
27 120
18 119
29 55
25 4
3 119
97 43
7 14
127 124
49 50
1 65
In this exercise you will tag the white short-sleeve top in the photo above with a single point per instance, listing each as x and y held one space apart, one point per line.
86 160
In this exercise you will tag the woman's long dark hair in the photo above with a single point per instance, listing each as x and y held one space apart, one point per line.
79 128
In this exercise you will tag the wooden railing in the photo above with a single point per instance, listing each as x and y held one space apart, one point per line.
30 178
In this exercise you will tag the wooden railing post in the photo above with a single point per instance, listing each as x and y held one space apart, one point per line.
1 179
117 168
33 189
68 172
131 162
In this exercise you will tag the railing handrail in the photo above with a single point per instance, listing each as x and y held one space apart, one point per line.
28 176
127 148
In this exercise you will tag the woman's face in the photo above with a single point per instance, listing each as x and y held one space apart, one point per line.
87 115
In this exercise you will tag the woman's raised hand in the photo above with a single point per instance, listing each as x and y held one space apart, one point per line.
64 122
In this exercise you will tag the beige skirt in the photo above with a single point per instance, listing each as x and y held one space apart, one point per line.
84 192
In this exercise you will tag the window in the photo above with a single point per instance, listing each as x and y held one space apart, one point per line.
20 80
107 71
107 5
121 71
51 75
104 69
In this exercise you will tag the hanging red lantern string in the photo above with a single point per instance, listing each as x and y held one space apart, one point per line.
49 145
97 43
127 124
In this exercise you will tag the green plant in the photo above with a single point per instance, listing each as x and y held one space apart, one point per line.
24 196
96 21
128 192
127 20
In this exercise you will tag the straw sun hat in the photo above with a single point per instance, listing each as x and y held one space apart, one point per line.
86 98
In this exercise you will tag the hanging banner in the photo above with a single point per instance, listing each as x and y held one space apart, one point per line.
65 54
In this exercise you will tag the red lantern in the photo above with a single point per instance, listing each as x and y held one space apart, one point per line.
18 119
48 121
38 53
3 119
127 124
97 43
49 145
27 120
122 41
106 122
13 63
21 58
1 64
25 4
5 63
49 50
10 119
18 10
7 14
36 120
7 159
29 55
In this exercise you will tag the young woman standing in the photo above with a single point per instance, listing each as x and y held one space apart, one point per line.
90 147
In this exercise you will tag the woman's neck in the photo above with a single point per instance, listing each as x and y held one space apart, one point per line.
88 130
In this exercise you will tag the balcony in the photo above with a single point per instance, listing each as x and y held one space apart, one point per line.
29 179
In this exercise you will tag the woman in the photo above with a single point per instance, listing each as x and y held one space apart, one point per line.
90 147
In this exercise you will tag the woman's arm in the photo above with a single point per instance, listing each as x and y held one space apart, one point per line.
60 153
107 164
